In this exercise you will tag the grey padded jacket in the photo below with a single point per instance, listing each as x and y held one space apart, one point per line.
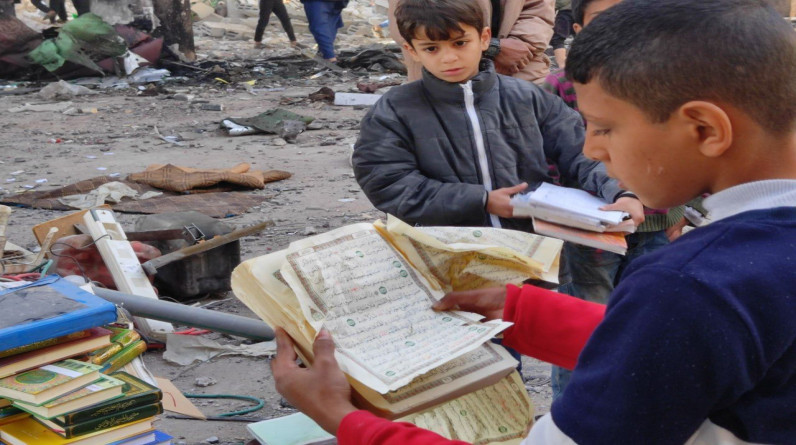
429 151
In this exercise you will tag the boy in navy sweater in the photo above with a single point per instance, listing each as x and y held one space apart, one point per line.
698 342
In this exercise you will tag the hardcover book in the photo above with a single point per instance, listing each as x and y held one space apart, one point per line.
372 286
102 423
137 393
570 207
49 382
155 437
49 308
45 343
611 241
30 432
106 388
97 338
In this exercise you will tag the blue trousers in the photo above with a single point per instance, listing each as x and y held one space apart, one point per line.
594 274
324 20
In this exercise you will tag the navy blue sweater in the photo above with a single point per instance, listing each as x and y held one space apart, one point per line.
704 328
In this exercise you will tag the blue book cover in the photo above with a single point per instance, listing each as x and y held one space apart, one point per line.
48 308
154 437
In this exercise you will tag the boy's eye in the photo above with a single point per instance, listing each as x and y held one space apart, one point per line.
600 132
430 49
460 43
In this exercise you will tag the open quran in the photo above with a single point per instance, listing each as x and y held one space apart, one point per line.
372 286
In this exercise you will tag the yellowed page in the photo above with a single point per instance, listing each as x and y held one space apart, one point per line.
464 258
501 413
258 283
378 308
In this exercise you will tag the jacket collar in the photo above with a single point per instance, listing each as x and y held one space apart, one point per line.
441 90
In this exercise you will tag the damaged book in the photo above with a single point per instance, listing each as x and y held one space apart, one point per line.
372 286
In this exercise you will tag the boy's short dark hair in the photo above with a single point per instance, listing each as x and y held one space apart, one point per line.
439 19
579 10
658 55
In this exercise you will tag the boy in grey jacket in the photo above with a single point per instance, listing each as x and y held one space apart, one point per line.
451 148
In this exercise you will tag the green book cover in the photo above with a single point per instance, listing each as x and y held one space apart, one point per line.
138 393
104 383
103 423
36 381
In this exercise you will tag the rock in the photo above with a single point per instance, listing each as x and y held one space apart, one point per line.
204 382
279 142
309 230
213 439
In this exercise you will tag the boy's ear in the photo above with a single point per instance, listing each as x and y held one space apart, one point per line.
709 125
577 28
411 50
486 36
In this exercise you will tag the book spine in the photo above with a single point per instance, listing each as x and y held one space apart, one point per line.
104 423
124 357
121 339
122 404
44 343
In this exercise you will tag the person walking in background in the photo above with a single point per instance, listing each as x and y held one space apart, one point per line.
324 17
278 8
562 29
57 8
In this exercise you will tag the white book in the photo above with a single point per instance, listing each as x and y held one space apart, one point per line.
570 207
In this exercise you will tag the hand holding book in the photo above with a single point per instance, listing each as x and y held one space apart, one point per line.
305 387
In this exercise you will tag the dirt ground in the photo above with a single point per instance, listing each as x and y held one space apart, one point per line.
121 138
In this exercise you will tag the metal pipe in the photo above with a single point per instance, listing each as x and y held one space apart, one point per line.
188 315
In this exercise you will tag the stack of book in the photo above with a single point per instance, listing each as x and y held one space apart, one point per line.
574 215
57 379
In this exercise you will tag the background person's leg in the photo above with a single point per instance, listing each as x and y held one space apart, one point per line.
265 14
281 13
318 18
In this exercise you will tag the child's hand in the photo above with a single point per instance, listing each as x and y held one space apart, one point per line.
499 201
488 302
320 391
632 206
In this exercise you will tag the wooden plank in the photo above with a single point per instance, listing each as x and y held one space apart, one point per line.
64 224
121 261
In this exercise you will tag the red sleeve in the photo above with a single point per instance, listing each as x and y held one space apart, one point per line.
362 427
549 326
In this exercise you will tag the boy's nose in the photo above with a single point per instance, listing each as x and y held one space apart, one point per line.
448 56
593 149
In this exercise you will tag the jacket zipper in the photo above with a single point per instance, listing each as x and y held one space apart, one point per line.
480 146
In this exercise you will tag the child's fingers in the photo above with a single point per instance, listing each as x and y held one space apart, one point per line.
285 359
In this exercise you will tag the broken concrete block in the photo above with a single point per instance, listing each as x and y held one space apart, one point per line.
211 29
201 10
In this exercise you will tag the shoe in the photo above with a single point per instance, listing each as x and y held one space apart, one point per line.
51 16
259 45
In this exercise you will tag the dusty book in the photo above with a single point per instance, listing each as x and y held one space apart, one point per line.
611 241
572 208
137 393
14 364
30 432
49 308
102 423
372 287
45 343
40 385
104 389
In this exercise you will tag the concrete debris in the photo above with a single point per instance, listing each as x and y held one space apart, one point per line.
63 91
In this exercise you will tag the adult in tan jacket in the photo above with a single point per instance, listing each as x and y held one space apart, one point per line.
526 27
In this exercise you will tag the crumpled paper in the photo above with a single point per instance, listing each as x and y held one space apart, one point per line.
186 349
112 192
